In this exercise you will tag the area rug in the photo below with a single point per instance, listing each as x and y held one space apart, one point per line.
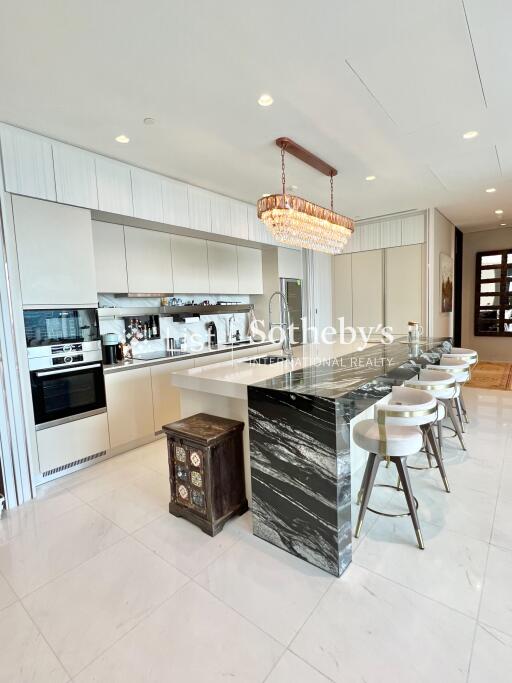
491 375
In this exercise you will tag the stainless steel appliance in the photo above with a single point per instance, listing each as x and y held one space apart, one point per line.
66 372
291 290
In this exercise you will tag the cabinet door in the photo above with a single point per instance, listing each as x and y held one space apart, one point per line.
368 289
147 195
239 220
75 176
148 261
166 397
250 275
28 163
413 229
221 215
257 229
223 268
391 233
129 406
289 263
109 257
114 187
190 265
404 291
199 209
175 203
55 253
369 236
343 288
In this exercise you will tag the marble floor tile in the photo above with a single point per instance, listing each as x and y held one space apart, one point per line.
273 589
291 669
496 607
450 569
110 480
137 503
109 594
184 545
35 513
7 595
154 456
367 628
502 528
31 559
25 657
191 637
492 657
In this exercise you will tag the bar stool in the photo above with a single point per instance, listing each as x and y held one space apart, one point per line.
471 357
459 369
392 436
451 361
444 387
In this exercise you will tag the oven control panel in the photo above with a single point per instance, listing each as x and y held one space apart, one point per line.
67 360
66 348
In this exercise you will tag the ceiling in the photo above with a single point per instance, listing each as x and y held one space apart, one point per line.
375 87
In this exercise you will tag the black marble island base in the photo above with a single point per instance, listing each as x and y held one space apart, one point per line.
299 428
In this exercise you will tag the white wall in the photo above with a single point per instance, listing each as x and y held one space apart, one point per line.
441 239
489 348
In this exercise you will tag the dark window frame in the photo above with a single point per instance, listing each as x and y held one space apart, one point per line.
505 296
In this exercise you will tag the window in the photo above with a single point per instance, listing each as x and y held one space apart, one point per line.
493 293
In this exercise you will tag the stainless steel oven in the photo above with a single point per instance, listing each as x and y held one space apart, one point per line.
66 372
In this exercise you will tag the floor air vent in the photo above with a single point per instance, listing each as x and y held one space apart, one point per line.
75 463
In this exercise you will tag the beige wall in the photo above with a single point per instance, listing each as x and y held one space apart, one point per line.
489 348
270 285
441 240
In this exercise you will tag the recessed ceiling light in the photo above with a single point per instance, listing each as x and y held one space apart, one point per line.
470 134
499 212
371 177
123 139
149 121
491 189
503 224
265 100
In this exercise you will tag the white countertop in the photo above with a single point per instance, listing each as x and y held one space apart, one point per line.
231 378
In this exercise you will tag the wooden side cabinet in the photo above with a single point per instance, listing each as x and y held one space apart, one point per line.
206 470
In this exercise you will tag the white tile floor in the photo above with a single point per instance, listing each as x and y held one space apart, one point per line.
99 583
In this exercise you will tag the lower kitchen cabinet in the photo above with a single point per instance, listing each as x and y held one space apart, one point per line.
72 441
166 397
129 405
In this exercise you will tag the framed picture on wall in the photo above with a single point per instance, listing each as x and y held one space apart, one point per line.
446 282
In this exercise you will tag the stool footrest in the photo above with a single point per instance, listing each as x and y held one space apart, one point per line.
388 514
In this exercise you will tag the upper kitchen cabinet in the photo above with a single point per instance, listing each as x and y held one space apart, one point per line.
221 214
175 202
391 233
223 268
28 163
190 265
148 261
109 257
289 263
199 209
114 186
239 220
250 274
413 229
55 253
257 229
147 195
75 176
369 236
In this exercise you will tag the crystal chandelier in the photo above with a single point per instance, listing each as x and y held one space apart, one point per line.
298 222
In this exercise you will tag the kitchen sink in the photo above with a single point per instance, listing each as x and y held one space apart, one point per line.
266 360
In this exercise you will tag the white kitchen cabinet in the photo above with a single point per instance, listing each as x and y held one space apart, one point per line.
175 202
199 208
257 229
69 442
239 220
55 253
166 397
250 272
190 265
129 405
28 163
109 257
222 268
75 176
368 288
148 261
221 215
354 243
369 236
289 263
404 290
391 233
114 186
147 195
343 288
413 229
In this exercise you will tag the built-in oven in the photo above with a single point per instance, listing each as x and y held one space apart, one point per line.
65 362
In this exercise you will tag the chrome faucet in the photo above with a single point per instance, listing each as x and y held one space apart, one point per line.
287 347
229 328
